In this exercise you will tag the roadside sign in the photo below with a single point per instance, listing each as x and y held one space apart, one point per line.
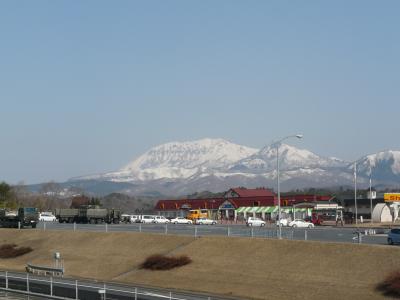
391 197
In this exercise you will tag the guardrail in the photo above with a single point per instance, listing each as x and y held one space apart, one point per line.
45 270
64 288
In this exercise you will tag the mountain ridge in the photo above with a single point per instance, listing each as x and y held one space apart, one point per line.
217 164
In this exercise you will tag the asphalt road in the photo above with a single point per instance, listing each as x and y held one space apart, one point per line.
323 233
65 288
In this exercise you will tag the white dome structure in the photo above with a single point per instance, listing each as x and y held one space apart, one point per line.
381 213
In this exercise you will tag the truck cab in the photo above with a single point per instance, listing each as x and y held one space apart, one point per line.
28 216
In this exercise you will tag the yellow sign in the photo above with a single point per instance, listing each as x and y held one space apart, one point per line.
391 197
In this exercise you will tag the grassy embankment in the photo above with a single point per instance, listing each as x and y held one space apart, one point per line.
241 267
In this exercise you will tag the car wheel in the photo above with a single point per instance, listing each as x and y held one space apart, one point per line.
310 226
175 223
262 224
189 223
390 241
213 223
201 223
250 224
294 225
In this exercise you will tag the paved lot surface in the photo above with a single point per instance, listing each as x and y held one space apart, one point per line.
64 288
326 234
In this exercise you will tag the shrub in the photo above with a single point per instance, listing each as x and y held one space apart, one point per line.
162 262
391 285
11 251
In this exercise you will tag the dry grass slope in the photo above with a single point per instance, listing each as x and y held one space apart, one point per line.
242 267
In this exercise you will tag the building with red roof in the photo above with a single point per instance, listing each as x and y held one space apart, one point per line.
226 206
241 192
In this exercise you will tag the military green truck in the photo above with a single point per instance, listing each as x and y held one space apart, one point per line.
26 216
88 214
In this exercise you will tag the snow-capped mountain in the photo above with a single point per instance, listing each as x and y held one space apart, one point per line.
216 164
384 165
291 158
180 160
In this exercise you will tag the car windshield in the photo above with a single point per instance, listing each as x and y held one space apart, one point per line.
30 210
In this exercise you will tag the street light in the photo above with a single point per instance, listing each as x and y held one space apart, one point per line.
355 187
278 143
370 191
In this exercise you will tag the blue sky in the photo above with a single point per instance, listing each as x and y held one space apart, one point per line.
86 86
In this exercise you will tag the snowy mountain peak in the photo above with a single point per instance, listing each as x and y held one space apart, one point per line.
183 159
388 159
290 157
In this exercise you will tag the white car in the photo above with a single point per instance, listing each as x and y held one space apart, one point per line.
205 221
160 220
284 222
251 221
129 218
134 219
146 219
301 224
47 217
181 220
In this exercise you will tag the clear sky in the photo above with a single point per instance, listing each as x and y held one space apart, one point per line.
86 86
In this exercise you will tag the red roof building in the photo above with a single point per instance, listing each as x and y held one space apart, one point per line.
241 192
232 200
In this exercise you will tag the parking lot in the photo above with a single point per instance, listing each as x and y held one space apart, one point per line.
323 233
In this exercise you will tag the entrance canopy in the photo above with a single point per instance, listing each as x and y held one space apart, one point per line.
268 209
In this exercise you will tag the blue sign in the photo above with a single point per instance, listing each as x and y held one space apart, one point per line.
227 205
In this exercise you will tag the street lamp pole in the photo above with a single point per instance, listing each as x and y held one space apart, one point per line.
279 191
355 190
299 136
370 191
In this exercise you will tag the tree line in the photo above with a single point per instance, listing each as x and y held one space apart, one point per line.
49 197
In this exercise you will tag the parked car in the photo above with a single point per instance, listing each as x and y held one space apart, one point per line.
134 218
125 218
160 220
301 224
47 217
394 236
284 222
181 220
251 221
205 221
146 219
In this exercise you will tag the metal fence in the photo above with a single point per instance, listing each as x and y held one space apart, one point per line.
60 288
190 230
331 234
